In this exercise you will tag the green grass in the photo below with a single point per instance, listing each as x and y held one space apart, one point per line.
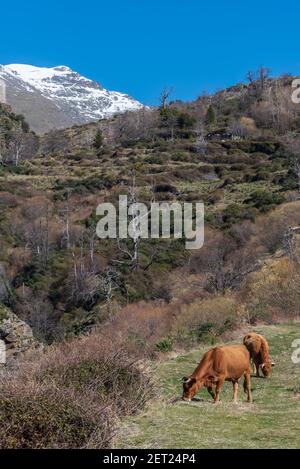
272 421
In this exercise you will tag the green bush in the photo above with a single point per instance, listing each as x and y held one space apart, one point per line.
165 345
264 200
236 213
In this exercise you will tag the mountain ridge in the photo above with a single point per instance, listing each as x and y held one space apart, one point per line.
59 97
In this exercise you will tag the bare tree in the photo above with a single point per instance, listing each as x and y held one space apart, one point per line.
258 80
293 151
37 238
131 255
224 264
288 241
164 96
251 77
65 213
16 147
2 145
87 283
263 74
19 146
296 168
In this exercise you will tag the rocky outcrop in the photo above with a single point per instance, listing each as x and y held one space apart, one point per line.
15 335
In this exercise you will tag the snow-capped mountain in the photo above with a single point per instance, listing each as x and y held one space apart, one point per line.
55 98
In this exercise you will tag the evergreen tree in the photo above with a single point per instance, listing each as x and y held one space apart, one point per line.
210 116
98 141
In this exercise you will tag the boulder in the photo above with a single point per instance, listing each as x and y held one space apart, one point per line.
15 335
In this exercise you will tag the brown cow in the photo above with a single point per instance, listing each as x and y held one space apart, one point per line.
259 351
226 363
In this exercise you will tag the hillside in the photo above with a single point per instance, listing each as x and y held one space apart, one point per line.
237 151
218 153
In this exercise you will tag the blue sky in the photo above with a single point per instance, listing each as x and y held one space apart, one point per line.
140 46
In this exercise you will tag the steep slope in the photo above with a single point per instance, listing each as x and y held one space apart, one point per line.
55 98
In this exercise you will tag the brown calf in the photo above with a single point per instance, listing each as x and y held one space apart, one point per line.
226 363
259 351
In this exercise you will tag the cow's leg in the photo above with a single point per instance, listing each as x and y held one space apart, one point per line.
247 386
235 391
257 368
211 391
218 389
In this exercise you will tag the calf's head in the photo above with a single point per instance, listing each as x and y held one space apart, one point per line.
267 368
190 387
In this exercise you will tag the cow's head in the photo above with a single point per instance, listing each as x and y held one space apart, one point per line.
190 387
267 368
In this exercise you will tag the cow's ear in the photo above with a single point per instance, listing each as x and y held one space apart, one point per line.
273 364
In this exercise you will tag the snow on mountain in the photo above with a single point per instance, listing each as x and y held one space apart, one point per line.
59 97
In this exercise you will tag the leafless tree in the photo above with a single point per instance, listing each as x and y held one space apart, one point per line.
224 264
263 74
20 146
87 283
201 143
54 142
2 145
37 238
293 151
65 213
131 255
296 168
165 96
250 77
16 147
258 81
288 241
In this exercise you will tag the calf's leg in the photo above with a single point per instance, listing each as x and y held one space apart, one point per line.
211 391
257 368
218 389
247 386
235 391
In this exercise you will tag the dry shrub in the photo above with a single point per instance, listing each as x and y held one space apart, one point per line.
274 291
34 415
270 229
72 396
142 325
205 320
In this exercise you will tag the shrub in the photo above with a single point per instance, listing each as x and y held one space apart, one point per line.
154 159
264 200
275 291
72 396
205 320
236 213
44 417
165 345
